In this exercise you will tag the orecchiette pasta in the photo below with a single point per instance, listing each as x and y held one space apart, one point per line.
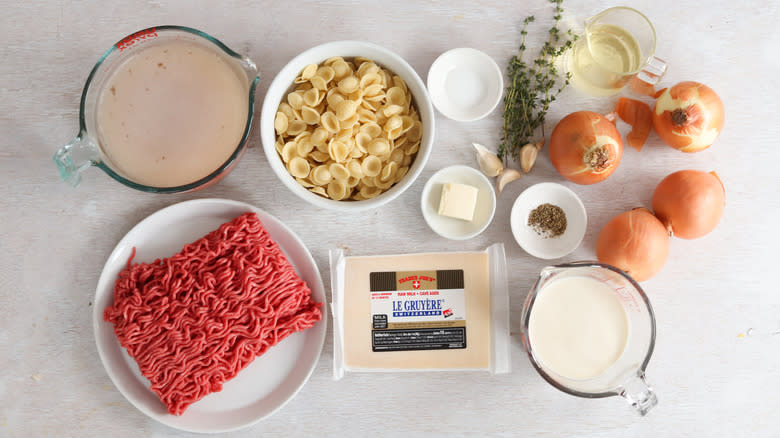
330 122
320 136
308 72
303 147
319 83
348 130
326 72
338 171
295 100
296 127
321 175
341 68
299 167
372 165
310 115
312 97
338 151
280 123
345 109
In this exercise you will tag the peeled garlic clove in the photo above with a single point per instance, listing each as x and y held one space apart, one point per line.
489 162
507 176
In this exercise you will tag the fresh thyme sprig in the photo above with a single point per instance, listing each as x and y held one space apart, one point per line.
532 88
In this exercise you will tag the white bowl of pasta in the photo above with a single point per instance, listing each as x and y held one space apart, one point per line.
347 125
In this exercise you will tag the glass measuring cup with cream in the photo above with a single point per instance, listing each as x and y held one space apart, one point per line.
166 109
589 330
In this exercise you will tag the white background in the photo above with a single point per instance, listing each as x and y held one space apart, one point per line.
54 239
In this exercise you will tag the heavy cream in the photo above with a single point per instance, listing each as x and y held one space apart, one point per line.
578 327
172 113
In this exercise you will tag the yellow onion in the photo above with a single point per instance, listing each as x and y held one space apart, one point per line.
634 241
585 147
689 203
688 116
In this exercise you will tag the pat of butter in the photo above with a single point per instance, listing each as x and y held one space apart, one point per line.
458 201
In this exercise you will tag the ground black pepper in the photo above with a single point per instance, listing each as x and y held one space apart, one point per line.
548 220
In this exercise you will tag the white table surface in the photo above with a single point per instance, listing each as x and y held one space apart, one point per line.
712 377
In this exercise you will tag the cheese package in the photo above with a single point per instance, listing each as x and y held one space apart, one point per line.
420 312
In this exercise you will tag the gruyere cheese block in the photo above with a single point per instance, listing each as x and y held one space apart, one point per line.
458 201
417 311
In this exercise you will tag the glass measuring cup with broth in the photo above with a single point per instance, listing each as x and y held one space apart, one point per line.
619 44
589 330
166 109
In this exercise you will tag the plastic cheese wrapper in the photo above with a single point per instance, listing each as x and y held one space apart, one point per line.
446 311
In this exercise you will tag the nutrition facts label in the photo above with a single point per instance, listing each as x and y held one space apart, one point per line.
421 339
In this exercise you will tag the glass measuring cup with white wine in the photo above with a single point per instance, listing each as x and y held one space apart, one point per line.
619 44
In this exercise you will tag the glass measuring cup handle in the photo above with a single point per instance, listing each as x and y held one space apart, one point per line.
638 393
653 71
75 157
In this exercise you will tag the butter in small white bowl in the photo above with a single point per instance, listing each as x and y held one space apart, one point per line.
446 209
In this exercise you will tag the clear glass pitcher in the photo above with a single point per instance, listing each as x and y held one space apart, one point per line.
625 376
619 44
88 149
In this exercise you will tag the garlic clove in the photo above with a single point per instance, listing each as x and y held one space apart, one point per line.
489 162
528 157
528 154
507 176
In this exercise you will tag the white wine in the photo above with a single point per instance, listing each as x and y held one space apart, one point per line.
604 62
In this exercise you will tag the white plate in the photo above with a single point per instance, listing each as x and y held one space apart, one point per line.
452 228
465 84
261 388
548 247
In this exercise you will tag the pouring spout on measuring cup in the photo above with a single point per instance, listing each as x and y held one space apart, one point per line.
548 272
250 69
75 157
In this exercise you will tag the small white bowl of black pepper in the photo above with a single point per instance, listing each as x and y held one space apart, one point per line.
548 220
